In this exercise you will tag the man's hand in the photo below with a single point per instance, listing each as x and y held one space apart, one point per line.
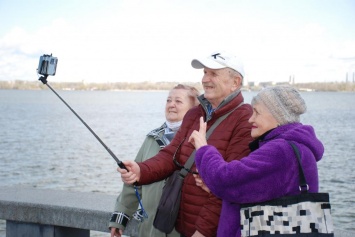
198 138
132 175
200 183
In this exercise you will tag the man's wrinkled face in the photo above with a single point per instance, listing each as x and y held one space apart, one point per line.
217 84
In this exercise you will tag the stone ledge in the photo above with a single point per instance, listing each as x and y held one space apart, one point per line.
90 211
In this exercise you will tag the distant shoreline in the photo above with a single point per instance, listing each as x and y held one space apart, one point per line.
158 86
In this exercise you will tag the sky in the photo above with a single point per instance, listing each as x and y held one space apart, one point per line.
155 40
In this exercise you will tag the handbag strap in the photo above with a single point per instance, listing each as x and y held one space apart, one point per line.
303 183
191 160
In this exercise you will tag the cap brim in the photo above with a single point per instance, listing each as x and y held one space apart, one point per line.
198 64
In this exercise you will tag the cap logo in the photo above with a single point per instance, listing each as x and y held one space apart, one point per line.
217 54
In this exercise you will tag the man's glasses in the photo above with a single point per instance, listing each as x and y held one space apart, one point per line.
180 165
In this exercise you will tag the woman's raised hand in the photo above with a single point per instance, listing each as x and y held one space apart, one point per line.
198 138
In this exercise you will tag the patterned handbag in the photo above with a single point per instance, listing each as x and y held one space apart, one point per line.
306 214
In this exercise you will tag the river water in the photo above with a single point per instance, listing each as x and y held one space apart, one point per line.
43 144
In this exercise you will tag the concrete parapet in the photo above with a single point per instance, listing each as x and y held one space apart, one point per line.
60 212
89 211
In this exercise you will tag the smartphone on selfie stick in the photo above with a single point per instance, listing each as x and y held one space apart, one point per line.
47 67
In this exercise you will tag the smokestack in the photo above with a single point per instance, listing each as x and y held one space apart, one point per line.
346 78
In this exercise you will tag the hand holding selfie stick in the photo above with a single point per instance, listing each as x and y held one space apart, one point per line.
47 66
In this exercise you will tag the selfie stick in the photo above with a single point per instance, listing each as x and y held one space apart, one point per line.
43 79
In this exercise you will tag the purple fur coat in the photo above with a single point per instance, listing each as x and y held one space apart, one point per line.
269 172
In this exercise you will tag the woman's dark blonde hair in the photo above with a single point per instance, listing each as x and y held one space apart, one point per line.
192 92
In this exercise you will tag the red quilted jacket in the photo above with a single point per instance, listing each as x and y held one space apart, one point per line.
200 210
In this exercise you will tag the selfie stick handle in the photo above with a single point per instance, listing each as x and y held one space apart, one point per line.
43 79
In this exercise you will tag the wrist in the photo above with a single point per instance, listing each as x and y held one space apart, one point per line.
120 218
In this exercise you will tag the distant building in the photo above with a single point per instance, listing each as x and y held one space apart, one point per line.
263 84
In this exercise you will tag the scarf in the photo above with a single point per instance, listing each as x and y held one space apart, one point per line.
174 126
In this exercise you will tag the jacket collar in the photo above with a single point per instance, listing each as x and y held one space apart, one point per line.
254 145
207 107
270 135
163 135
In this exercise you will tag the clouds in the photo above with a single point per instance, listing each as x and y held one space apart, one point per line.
155 41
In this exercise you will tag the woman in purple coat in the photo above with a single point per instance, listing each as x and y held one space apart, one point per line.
271 170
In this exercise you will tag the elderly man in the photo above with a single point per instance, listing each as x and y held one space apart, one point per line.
199 210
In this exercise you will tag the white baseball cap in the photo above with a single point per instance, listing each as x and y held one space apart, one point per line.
219 60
